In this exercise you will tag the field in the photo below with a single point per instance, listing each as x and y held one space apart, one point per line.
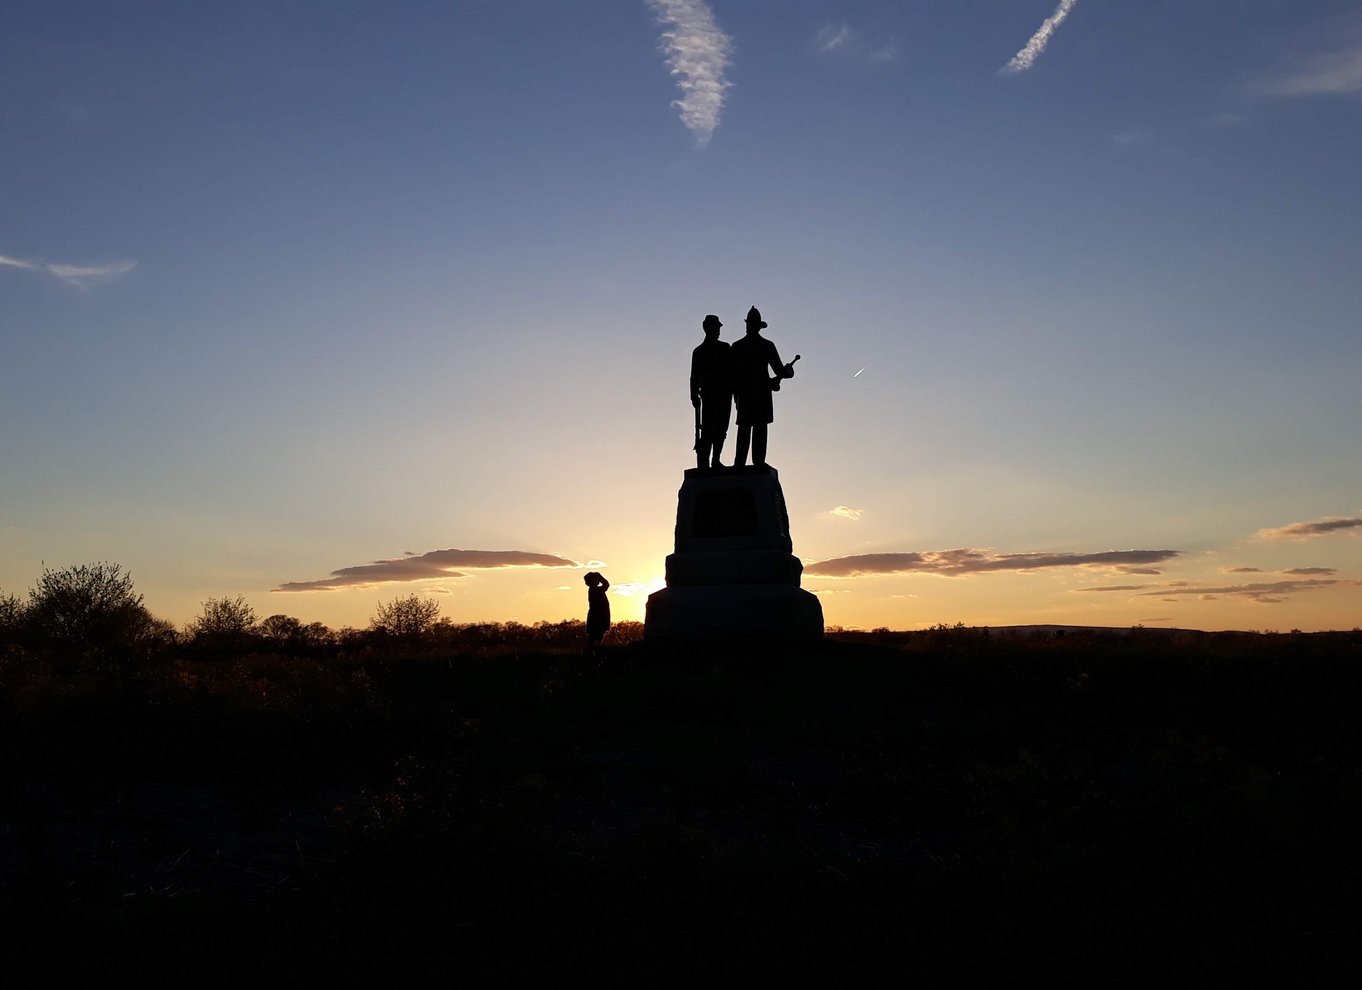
948 804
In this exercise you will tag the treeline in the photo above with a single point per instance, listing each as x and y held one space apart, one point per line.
95 612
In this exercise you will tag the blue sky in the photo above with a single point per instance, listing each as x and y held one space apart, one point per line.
289 289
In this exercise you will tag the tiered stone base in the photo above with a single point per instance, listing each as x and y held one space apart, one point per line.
696 612
733 573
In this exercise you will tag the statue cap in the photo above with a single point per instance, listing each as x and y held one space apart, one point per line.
754 316
711 321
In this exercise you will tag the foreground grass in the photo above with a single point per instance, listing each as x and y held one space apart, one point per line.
1141 808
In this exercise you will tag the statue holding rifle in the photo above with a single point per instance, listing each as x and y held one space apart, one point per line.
711 393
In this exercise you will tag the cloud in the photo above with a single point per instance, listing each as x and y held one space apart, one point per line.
1133 136
1317 527
425 566
1026 58
952 563
79 276
634 589
1333 72
845 512
697 54
830 37
1265 592
1293 571
841 39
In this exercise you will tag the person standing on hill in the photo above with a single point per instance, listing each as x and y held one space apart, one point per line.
597 609
752 356
711 393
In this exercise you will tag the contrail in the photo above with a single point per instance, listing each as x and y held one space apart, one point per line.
697 54
1026 58
80 276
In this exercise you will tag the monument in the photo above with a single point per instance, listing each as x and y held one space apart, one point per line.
733 571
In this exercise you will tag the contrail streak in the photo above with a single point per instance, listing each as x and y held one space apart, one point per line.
1026 58
697 54
80 276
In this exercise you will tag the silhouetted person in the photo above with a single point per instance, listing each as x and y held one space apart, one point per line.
597 608
711 393
752 356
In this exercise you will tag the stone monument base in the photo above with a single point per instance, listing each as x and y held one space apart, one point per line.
698 612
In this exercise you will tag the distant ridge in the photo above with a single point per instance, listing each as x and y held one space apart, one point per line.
1037 630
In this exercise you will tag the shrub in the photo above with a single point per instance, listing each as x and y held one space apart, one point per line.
285 634
224 617
11 618
224 624
406 618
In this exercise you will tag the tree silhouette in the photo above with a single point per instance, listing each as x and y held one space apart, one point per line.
222 625
406 618
222 617
89 606
11 617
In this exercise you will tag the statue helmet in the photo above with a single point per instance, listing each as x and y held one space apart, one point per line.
711 321
754 316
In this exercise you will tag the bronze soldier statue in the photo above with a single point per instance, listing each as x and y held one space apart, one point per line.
752 356
711 393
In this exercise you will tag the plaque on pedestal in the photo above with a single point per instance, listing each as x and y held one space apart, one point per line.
733 572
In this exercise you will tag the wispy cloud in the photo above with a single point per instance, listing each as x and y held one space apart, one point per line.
425 566
842 39
953 563
1317 527
1265 592
1333 71
832 37
845 512
79 276
697 54
1026 58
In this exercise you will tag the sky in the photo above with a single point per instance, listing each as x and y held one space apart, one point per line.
325 305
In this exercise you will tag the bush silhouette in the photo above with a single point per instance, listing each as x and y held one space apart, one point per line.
406 618
223 624
223 617
87 606
11 618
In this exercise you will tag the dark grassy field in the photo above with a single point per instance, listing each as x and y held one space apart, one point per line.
1142 809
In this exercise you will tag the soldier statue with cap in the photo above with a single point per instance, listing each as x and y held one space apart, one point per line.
752 356
711 393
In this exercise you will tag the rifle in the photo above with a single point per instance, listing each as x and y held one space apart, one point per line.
697 429
789 373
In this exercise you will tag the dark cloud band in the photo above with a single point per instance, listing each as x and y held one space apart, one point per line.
422 567
1266 592
1317 527
957 562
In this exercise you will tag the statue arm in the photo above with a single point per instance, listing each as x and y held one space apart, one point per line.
777 365
694 381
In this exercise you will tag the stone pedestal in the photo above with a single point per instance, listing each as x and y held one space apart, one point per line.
733 572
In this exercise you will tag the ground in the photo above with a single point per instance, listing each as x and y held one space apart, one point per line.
946 804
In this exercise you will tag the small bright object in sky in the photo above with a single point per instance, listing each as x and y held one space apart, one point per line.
858 374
